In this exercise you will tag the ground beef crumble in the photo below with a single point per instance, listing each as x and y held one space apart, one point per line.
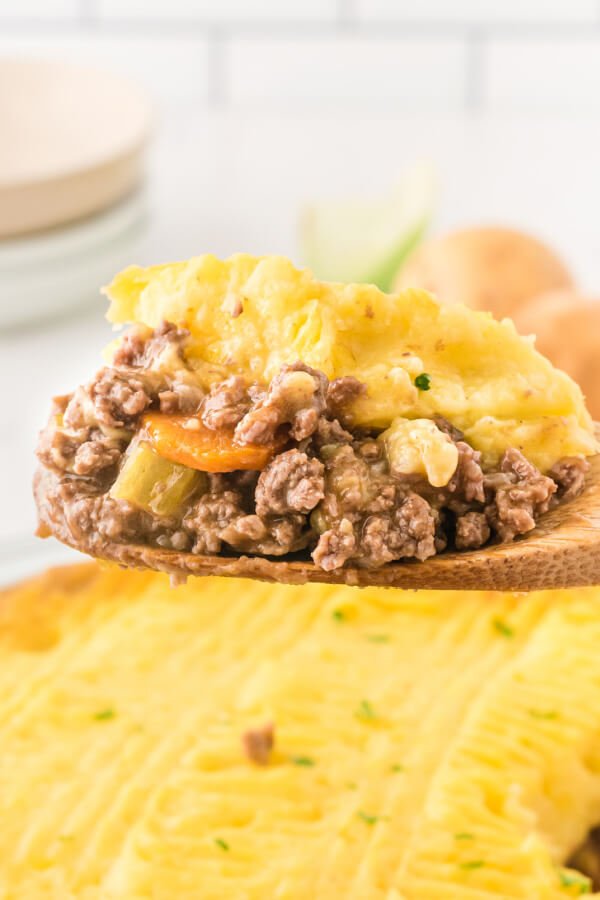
292 482
258 744
143 347
227 404
329 491
472 531
521 495
569 474
296 396
341 394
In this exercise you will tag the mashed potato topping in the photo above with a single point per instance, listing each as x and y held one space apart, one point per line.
453 753
250 315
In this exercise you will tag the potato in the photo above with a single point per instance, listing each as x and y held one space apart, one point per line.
567 329
418 357
418 447
494 269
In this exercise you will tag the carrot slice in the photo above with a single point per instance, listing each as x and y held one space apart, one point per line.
187 441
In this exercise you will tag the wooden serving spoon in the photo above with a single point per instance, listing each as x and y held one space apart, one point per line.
562 551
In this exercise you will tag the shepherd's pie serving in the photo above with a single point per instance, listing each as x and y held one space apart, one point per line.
250 409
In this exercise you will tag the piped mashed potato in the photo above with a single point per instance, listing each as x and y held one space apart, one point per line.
425 745
250 315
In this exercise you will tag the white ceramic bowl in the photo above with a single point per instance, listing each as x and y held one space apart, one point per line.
52 272
72 142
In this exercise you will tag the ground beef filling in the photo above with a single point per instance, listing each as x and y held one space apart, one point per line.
330 491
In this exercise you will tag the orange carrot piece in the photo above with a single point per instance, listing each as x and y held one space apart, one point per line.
187 441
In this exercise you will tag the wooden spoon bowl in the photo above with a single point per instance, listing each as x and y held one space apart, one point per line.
562 551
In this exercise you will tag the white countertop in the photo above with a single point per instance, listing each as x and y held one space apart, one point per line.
228 181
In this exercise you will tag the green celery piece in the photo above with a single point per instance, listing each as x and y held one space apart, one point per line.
362 241
153 483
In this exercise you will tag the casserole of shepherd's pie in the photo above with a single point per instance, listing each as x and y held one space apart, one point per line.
239 740
250 409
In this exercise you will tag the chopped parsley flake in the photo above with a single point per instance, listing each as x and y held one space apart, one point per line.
503 629
543 713
472 864
222 844
423 381
351 785
365 711
464 836
378 638
368 819
303 761
104 714
397 767
569 878
339 615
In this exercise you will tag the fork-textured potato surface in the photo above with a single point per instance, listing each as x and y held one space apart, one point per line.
428 745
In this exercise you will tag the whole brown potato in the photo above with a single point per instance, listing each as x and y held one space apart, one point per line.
567 329
495 269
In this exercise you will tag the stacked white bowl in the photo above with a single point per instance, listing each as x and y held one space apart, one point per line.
72 208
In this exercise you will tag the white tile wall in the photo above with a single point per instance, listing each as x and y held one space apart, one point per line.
544 75
173 70
356 70
220 11
417 55
469 12
43 9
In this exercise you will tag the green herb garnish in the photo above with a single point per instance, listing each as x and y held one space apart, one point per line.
368 819
472 864
543 713
351 785
303 761
570 878
222 844
464 836
104 714
423 381
365 711
339 615
503 629
397 767
378 638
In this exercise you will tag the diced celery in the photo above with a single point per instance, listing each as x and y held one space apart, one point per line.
154 483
